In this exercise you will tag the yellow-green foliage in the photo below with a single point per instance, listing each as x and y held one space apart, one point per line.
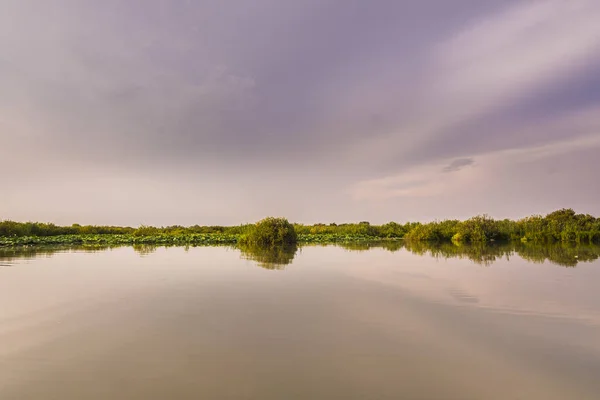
146 231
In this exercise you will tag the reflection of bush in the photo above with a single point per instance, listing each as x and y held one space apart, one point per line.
357 246
269 257
390 245
478 253
564 254
10 254
144 249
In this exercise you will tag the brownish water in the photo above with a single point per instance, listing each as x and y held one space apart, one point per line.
334 324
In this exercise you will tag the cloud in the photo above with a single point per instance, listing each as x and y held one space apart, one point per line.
266 104
458 164
433 180
491 65
502 58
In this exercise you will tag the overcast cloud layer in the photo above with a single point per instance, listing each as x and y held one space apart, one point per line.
222 112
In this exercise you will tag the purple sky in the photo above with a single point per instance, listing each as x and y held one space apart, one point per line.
222 112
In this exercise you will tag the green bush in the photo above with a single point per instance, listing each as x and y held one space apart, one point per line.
270 231
144 230
479 229
425 232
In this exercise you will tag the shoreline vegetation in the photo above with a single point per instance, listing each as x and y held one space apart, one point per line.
563 225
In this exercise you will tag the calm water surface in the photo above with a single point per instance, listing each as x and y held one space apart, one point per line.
214 323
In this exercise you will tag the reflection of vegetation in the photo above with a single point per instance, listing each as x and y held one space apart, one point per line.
358 246
390 245
276 257
9 254
269 257
393 245
478 253
270 232
144 249
564 254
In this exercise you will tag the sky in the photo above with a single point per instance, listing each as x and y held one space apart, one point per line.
212 112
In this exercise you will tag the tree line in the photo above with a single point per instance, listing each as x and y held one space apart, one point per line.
563 225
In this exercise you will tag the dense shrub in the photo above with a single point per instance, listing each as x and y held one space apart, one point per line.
425 232
270 231
479 229
562 225
146 231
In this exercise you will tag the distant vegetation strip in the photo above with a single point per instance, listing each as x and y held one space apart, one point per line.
119 239
563 225
164 239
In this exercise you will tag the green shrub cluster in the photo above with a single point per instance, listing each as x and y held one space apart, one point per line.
12 228
363 229
559 226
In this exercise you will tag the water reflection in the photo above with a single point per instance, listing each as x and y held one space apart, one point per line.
563 254
144 249
479 254
390 245
269 257
382 323
11 254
